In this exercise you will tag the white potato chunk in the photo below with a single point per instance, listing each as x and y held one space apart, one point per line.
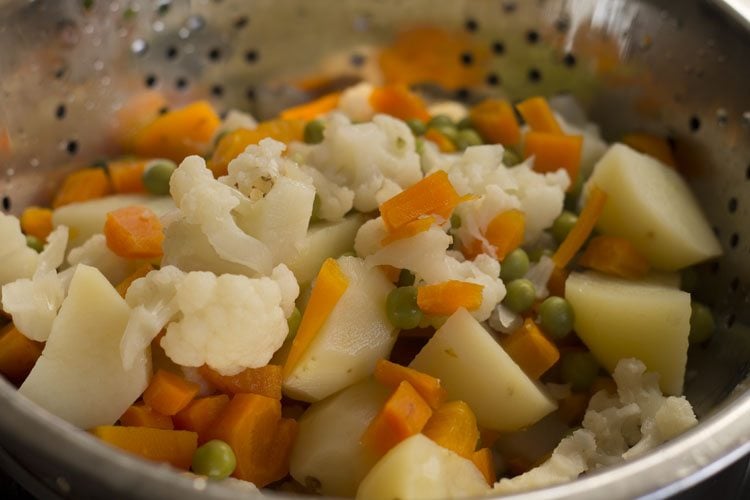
328 451
474 368
619 319
79 376
651 205
356 334
419 468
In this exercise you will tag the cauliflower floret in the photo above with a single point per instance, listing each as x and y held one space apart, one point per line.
334 201
95 253
19 261
235 120
355 102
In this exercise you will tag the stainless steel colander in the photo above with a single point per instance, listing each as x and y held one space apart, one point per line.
675 68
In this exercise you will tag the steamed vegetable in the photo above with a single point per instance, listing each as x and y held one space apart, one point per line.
168 394
82 185
174 447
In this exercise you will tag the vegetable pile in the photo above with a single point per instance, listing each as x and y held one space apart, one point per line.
371 295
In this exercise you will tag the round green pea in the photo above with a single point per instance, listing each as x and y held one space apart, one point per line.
702 323
419 145
464 123
439 121
455 221
156 176
466 138
563 224
314 132
536 254
449 131
417 126
579 369
293 322
215 459
515 265
519 295
34 242
510 158
402 309
556 317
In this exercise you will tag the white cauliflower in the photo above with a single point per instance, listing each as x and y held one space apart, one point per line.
235 120
335 201
94 252
355 102
229 322
19 261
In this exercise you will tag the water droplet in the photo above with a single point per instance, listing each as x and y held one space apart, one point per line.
9 172
158 26
195 22
105 81
189 48
183 33
139 46
88 28
34 162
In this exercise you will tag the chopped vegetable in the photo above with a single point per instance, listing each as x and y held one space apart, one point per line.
36 222
156 176
496 122
35 243
505 232
533 352
552 152
453 426
616 256
466 138
200 414
391 375
408 230
702 323
441 140
563 224
539 116
520 295
515 265
168 394
312 109
582 228
443 299
579 369
137 112
160 445
134 233
127 175
556 317
18 354
402 308
140 272
417 126
400 102
141 415
654 146
82 185
484 462
265 380
314 133
215 459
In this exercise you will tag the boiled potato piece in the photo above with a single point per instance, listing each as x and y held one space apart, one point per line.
353 338
651 205
619 318
87 218
419 468
79 376
328 451
474 368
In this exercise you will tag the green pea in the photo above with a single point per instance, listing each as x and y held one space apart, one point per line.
419 145
519 295
510 158
417 126
536 254
34 242
466 138
579 369
455 221
556 317
515 265
314 132
563 224
464 123
689 279
405 278
156 176
293 322
402 309
702 324
449 131
439 121
214 459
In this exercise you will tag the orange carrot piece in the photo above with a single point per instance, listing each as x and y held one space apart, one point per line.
399 101
134 232
443 299
556 282
391 273
313 109
18 354
276 463
140 272
404 414
168 393
433 195
496 122
265 380
483 461
582 228
248 425
444 144
657 147
616 256
408 230
37 222
141 415
391 375
330 285
160 445
200 414
127 175
82 185
135 114
539 116
552 152
505 232
454 426
179 133
531 349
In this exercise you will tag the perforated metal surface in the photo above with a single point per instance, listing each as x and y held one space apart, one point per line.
678 68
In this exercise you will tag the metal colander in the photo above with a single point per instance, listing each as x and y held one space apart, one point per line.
674 68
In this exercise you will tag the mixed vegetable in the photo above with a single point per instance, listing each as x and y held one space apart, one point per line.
371 295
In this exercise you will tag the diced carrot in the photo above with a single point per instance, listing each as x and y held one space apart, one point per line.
399 101
127 175
135 114
330 285
134 232
275 466
531 349
168 393
443 299
483 460
82 185
454 426
391 375
539 116
408 230
18 354
234 143
404 414
140 272
37 222
160 445
248 425
657 147
444 144
433 195
392 274
141 415
552 152
505 232
179 133
496 122
200 414
616 256
556 282
582 228
572 407
265 380
313 109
